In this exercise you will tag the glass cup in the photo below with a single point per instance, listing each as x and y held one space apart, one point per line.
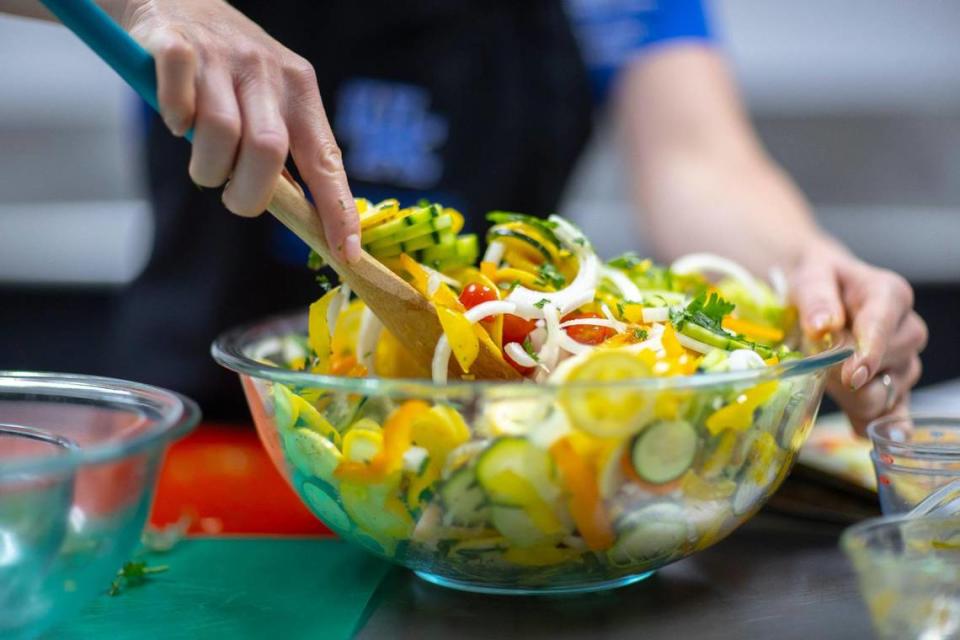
913 457
909 573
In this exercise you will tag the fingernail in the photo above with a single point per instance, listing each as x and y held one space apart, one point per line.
820 321
859 377
351 248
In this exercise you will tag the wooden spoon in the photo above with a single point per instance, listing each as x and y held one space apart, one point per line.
401 308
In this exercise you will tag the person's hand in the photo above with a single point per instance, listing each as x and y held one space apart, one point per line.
250 101
834 290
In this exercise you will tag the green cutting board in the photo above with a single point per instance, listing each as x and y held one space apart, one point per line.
238 589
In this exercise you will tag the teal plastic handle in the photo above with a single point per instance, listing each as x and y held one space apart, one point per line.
114 45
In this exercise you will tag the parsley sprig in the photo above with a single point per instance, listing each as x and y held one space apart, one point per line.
132 574
704 311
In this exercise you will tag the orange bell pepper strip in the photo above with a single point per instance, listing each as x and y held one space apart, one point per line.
753 330
396 440
580 478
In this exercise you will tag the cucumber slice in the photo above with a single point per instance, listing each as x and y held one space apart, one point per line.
395 226
664 451
722 340
326 508
411 246
513 472
653 532
545 227
464 502
464 251
498 232
517 526
431 227
311 454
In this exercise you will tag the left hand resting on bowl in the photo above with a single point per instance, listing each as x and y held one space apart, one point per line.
834 290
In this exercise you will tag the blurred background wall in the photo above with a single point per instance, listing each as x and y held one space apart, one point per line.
859 100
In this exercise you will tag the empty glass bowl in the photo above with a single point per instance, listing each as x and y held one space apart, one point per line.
526 488
913 456
78 460
909 572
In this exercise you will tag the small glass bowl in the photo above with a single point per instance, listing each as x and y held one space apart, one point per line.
78 461
909 573
913 457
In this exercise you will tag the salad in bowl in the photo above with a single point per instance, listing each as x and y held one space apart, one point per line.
658 408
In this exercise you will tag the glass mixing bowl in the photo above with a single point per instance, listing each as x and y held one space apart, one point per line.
78 460
525 488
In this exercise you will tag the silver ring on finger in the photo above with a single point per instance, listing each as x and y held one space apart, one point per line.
891 390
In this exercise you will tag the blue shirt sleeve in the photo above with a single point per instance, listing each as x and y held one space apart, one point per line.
610 32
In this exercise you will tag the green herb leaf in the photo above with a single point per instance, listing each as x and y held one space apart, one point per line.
703 311
627 261
640 334
528 347
324 282
131 574
620 311
548 274
314 261
539 303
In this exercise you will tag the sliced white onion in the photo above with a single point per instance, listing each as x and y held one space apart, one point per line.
441 360
696 345
699 262
656 314
413 458
623 284
594 322
367 338
778 280
292 350
489 308
519 355
442 352
494 253
618 326
550 351
338 304
537 337
578 293
442 276
433 283
744 359
570 345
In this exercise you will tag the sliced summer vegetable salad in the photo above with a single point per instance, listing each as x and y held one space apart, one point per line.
581 476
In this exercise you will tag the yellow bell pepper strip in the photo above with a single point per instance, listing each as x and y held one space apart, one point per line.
738 415
761 456
388 458
671 344
307 415
752 330
439 430
318 336
378 214
344 339
580 478
418 275
457 218
463 339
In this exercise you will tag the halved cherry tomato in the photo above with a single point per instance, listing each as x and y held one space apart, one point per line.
585 333
475 293
524 371
515 328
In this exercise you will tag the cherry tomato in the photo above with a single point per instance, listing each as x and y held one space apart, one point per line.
515 328
475 293
524 371
586 333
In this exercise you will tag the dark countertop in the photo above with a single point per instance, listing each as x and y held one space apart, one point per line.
775 577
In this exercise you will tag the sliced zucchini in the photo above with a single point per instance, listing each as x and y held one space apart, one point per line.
464 502
463 247
397 225
501 232
312 455
513 472
651 533
516 524
722 340
411 246
664 451
326 508
431 227
545 227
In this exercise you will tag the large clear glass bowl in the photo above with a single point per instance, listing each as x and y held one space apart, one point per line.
506 487
78 463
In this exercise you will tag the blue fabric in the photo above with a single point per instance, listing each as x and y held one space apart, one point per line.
611 32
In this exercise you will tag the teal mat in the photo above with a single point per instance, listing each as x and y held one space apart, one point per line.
240 588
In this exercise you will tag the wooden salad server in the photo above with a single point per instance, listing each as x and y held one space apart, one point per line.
401 308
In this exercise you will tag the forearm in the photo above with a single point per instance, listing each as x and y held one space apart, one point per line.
699 176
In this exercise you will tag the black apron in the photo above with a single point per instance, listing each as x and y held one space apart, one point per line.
503 86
